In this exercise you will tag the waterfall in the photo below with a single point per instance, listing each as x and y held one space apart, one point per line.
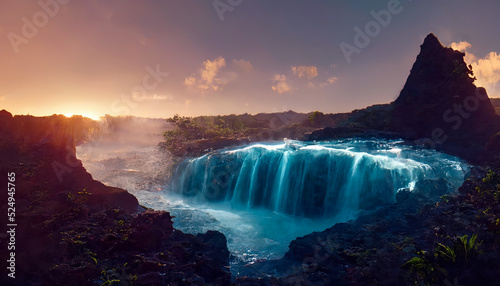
308 179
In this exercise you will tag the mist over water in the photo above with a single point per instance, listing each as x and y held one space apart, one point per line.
124 154
265 191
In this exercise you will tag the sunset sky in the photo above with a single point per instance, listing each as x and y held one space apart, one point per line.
191 57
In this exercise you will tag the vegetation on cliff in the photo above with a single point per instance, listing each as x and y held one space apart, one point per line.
73 230
193 136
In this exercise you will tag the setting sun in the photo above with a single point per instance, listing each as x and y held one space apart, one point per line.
84 114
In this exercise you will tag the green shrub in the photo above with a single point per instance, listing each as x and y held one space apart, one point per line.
433 268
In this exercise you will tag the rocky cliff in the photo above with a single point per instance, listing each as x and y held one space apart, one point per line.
440 103
439 107
73 230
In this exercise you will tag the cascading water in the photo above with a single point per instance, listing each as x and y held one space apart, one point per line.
313 180
265 195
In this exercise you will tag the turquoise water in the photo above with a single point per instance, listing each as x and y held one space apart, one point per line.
265 195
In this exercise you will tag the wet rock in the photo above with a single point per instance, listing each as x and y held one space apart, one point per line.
409 249
432 188
150 279
403 195
216 244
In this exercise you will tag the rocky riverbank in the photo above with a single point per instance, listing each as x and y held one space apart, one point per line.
378 247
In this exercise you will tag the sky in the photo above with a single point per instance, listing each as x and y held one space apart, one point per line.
154 58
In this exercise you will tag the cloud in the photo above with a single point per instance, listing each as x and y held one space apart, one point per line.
309 78
207 78
305 71
329 81
190 81
280 85
463 46
243 65
460 46
486 70
332 80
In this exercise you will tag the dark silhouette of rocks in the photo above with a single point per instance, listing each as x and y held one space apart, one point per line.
438 107
73 230
440 102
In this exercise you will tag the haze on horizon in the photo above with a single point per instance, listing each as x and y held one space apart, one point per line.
158 58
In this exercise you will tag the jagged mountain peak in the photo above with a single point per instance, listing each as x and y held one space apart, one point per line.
431 42
440 101
439 73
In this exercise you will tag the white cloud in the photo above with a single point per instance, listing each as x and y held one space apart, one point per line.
463 46
207 78
280 84
243 65
486 70
305 71
460 46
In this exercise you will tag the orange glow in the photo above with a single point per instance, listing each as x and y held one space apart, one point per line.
85 114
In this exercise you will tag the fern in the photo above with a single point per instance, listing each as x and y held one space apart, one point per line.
446 252
425 266
431 268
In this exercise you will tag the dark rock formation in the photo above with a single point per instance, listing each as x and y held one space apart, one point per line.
439 107
51 141
329 133
440 102
198 147
73 230
496 104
